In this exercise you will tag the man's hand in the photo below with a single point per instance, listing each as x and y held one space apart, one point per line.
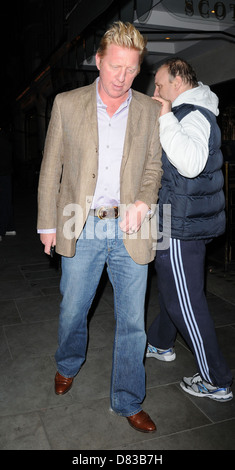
134 217
48 240
166 105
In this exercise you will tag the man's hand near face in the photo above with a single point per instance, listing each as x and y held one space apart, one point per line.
166 105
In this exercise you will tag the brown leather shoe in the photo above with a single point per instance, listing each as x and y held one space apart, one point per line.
62 384
141 422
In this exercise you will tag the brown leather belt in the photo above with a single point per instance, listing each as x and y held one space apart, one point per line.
105 212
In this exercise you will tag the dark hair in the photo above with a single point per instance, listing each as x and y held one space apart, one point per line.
177 66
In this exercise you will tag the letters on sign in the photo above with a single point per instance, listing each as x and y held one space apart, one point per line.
209 9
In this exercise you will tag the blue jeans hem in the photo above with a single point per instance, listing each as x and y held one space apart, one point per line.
66 375
126 414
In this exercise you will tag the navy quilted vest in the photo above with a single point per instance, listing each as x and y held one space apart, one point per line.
197 204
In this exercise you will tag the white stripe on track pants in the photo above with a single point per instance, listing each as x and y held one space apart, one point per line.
183 308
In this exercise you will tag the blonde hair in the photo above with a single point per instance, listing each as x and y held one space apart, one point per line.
123 35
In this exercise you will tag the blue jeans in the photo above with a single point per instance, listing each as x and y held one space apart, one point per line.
101 243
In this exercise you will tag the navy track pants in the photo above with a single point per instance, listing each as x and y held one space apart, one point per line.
183 308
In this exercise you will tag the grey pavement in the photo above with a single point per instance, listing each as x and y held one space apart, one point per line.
32 417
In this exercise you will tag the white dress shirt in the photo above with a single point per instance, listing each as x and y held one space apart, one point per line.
112 132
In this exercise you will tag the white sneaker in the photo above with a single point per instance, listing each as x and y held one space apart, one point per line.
200 388
167 355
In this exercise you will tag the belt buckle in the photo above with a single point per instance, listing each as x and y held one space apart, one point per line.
116 212
103 212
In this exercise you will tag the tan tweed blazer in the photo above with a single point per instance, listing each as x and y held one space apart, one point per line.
70 164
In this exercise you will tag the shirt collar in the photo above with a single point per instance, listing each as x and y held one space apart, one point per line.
100 103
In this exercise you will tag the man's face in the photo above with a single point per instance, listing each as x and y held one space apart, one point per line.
118 68
164 88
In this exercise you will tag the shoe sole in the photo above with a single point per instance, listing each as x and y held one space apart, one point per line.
162 357
205 395
63 393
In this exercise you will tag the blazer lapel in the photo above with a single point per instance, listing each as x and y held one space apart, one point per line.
89 102
132 128
90 107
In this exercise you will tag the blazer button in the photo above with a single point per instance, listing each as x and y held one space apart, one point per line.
93 176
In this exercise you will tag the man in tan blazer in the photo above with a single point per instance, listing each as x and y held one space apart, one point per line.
99 182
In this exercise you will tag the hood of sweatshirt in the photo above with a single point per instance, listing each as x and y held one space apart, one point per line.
199 96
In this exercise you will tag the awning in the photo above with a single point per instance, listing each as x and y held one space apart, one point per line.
83 14
87 11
